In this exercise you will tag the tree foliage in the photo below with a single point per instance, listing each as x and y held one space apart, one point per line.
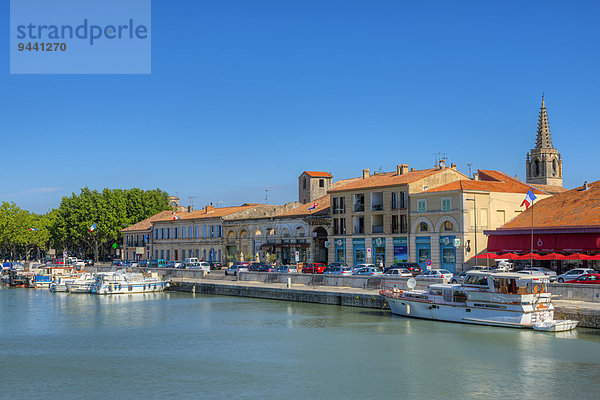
68 226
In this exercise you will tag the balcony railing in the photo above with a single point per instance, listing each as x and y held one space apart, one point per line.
377 207
359 207
377 229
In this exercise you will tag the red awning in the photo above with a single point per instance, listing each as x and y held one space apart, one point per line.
550 242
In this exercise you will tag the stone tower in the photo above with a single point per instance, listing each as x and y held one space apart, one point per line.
312 185
544 164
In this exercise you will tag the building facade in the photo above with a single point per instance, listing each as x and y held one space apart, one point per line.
370 216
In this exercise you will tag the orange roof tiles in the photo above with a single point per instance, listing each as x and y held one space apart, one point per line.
217 212
573 208
318 174
490 181
386 179
303 209
147 223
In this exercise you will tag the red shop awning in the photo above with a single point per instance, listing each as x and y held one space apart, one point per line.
550 242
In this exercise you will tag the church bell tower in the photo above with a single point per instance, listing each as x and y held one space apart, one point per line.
544 164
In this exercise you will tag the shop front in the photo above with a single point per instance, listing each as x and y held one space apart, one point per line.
340 250
423 246
379 251
359 250
400 249
448 253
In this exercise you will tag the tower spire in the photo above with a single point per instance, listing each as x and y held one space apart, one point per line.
543 140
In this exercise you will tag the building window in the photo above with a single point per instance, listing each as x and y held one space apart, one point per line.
168 255
395 200
196 231
422 205
336 230
342 226
423 227
484 217
402 200
403 224
156 254
446 203
359 202
183 232
376 201
203 230
175 233
183 254
448 226
321 182
395 226
304 183
359 225
377 224
335 205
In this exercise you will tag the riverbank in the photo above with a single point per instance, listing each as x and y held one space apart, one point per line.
587 313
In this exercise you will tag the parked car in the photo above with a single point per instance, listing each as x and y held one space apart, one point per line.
587 279
359 266
116 263
341 269
414 268
398 272
215 265
237 267
287 269
460 277
189 261
202 265
437 274
544 271
174 264
89 263
574 274
143 263
255 266
337 264
314 268
373 271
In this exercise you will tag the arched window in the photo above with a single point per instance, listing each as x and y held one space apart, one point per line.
448 226
553 167
536 166
423 227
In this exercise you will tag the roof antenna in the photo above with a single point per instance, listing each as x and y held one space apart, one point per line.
267 188
469 165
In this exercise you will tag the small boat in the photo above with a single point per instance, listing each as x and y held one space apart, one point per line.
85 283
125 282
59 284
484 298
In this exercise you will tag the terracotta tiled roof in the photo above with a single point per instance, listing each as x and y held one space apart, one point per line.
549 188
198 214
318 174
303 209
386 179
573 208
489 181
147 223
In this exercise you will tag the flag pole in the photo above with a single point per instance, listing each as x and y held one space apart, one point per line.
531 252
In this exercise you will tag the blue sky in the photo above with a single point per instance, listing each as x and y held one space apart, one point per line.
248 94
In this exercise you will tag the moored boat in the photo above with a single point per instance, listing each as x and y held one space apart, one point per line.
85 283
484 298
124 282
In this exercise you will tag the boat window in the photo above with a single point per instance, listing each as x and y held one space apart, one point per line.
460 296
482 281
436 292
448 295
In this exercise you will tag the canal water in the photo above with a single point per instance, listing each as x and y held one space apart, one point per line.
179 345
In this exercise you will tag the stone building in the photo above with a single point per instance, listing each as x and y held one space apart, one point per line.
137 238
448 222
370 215
543 164
313 185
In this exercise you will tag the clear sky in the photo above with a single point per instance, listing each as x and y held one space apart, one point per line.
247 94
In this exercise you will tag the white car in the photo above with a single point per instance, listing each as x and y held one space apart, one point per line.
202 265
574 274
287 269
548 273
436 274
398 272
359 266
235 268
338 270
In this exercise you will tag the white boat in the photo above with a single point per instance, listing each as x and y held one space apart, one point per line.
59 283
484 298
83 284
125 282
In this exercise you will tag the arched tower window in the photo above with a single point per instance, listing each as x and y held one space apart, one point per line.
554 169
536 167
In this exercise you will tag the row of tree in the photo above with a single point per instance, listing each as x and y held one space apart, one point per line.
69 227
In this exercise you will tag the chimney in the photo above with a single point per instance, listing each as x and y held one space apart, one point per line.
209 208
402 169
190 209
453 166
476 176
366 173
442 164
585 185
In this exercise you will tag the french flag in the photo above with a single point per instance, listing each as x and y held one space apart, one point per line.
175 217
32 229
529 198
313 206
92 228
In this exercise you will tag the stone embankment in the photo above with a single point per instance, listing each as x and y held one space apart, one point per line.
578 302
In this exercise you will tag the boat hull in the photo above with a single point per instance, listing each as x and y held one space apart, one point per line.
468 314
129 288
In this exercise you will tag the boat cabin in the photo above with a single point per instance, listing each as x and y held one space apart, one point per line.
505 283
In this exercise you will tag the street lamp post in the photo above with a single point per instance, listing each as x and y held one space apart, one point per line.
475 214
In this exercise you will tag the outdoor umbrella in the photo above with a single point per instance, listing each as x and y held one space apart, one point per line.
528 256
508 256
594 257
552 256
577 256
488 255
